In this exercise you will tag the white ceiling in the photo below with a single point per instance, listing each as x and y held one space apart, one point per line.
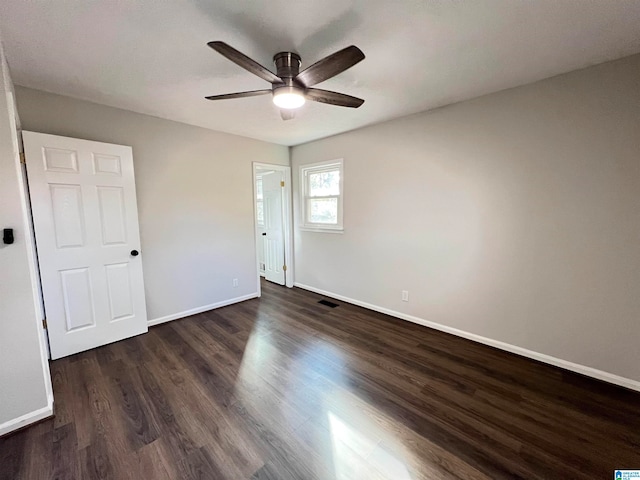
151 56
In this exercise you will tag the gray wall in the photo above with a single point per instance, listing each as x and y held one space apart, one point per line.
514 216
195 200
24 373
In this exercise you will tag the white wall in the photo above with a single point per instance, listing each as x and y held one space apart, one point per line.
195 197
25 386
514 216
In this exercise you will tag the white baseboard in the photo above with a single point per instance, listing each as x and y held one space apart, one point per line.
205 308
558 362
27 419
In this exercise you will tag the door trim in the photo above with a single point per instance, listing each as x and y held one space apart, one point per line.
32 261
287 221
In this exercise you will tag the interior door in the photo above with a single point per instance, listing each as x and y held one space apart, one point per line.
274 227
86 224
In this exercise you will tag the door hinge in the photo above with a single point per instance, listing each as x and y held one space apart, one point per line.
23 160
282 183
284 268
44 323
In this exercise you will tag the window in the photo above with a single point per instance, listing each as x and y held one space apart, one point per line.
322 195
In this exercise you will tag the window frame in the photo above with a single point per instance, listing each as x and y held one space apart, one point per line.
320 167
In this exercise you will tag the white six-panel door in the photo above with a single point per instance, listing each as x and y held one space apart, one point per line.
274 228
86 224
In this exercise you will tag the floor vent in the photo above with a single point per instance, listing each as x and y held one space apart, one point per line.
327 303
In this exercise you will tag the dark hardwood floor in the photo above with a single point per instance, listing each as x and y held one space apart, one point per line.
285 388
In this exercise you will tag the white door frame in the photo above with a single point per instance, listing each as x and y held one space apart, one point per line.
287 220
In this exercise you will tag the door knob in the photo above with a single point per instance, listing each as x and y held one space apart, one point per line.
264 234
135 253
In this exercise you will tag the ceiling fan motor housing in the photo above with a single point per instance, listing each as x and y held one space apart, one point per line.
287 65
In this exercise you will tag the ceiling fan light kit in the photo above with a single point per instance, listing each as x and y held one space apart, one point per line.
288 97
290 87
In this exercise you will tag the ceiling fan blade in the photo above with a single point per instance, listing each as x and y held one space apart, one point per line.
333 98
287 114
245 62
330 66
225 96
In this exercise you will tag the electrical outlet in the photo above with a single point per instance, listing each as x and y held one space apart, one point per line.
235 282
405 296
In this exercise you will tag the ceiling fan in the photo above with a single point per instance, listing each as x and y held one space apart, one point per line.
289 86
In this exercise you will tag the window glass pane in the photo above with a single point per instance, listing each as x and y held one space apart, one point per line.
323 210
259 188
324 183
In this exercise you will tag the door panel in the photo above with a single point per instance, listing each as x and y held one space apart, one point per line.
86 224
106 164
78 301
68 224
119 289
58 160
112 217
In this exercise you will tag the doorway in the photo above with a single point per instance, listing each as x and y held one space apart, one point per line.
273 218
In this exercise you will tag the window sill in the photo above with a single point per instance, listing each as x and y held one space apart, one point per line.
321 230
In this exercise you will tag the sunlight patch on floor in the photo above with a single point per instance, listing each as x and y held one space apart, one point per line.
347 440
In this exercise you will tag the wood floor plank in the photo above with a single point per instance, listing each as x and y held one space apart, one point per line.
64 453
12 452
285 388
95 463
152 464
138 426
199 466
169 426
62 387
